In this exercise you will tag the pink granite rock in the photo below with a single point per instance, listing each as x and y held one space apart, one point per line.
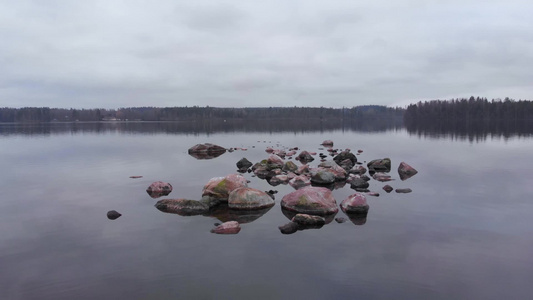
220 187
355 204
248 198
406 171
299 182
158 189
310 200
231 227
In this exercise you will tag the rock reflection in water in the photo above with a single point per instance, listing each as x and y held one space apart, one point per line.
223 213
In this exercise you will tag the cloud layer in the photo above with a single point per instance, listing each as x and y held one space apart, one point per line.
114 54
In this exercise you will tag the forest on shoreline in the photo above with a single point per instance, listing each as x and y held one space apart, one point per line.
429 113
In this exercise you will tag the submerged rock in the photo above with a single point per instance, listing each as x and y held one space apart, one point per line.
223 213
406 171
310 200
219 187
246 198
355 204
183 207
158 189
308 220
231 227
404 191
113 215
206 151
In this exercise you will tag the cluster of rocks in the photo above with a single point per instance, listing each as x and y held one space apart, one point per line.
310 205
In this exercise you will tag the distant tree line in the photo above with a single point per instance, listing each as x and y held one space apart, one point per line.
46 114
471 109
472 118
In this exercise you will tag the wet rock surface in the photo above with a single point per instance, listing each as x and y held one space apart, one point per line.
158 189
206 151
311 200
406 171
183 207
246 198
231 227
355 204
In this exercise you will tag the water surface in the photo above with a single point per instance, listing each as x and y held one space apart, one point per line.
463 233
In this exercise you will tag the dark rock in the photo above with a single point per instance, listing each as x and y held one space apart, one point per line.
388 188
246 198
274 162
231 227
244 164
183 207
404 191
365 177
359 184
406 171
310 200
158 189
113 215
346 164
289 228
380 165
304 157
355 204
357 219
344 155
206 151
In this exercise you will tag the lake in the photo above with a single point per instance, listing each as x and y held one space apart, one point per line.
464 232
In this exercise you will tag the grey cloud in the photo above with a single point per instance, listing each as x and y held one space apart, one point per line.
173 53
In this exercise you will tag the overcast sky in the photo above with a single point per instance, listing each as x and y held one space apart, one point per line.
111 54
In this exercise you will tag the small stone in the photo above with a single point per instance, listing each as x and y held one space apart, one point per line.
404 191
113 214
288 228
340 220
388 188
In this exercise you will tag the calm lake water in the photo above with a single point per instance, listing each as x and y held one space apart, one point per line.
465 232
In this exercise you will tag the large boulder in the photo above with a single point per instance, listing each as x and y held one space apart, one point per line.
206 151
183 207
406 171
379 165
219 188
249 198
355 204
310 200
158 189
